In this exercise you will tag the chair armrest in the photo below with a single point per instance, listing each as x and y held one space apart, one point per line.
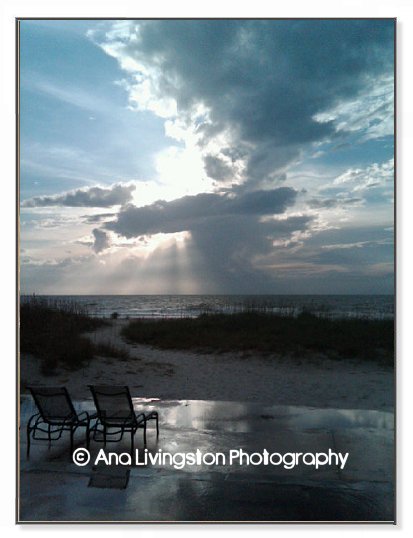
29 424
140 417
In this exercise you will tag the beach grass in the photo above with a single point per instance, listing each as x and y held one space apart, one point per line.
297 335
55 331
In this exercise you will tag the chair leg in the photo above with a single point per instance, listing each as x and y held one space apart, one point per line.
132 440
144 433
104 436
88 435
28 441
71 439
157 427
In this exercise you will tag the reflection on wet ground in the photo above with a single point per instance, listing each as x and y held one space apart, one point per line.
53 488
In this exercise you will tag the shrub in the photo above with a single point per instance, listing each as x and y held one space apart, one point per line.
53 331
360 338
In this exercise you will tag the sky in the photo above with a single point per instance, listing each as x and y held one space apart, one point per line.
207 156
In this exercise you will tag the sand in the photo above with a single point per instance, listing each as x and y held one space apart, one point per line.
315 381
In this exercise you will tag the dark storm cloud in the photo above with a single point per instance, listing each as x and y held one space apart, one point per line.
265 80
101 241
228 233
92 197
271 89
216 168
190 212
231 246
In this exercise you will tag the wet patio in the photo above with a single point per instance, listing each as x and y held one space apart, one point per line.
53 488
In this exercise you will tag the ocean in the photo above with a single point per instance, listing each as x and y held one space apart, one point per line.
179 306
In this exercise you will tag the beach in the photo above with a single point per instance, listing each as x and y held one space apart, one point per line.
206 270
315 381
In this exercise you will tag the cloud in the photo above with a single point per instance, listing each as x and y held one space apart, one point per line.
190 212
92 197
374 175
331 203
217 168
228 234
354 258
346 248
251 104
102 241
236 260
263 88
371 113
97 218
233 250
359 244
72 95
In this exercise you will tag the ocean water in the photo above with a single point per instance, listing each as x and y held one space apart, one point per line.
179 306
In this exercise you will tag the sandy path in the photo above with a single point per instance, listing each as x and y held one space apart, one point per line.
168 374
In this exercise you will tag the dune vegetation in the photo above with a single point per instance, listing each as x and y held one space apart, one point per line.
54 331
295 335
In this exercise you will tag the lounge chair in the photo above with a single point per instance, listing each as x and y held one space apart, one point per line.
56 415
117 416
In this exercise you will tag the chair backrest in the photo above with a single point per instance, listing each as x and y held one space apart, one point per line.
112 402
53 403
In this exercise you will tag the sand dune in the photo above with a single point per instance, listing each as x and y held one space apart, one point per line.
150 372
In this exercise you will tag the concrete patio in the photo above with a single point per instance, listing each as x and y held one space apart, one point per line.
53 488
